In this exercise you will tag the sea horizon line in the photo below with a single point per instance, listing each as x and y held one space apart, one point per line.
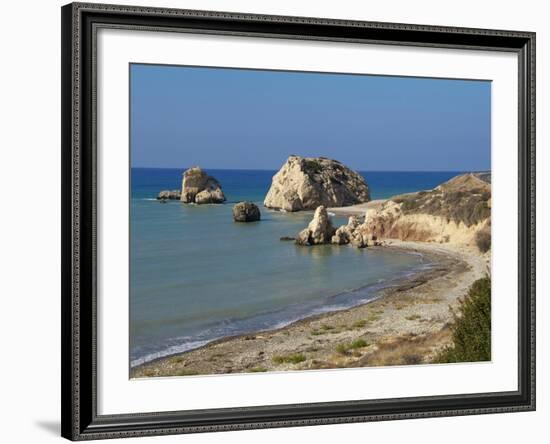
276 169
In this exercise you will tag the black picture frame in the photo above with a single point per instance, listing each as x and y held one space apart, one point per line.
79 171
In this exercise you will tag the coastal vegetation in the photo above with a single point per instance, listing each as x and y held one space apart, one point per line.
348 346
289 359
471 330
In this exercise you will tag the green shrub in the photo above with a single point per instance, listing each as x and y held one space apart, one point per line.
290 359
258 369
472 327
342 348
346 347
358 343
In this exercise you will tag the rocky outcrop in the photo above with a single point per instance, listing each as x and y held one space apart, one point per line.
305 183
353 233
198 187
453 212
246 212
457 212
343 234
169 195
319 230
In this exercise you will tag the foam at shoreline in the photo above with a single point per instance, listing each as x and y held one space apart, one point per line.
282 318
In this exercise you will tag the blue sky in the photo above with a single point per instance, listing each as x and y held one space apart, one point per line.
254 119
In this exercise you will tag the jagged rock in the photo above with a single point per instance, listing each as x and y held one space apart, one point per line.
198 187
319 230
246 212
354 233
343 234
359 238
304 183
169 194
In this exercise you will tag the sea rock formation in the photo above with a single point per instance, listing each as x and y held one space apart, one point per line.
169 195
344 233
305 183
246 212
354 233
198 187
319 231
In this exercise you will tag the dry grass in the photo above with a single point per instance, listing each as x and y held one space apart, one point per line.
185 372
408 349
360 324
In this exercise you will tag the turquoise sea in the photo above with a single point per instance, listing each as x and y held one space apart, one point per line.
196 276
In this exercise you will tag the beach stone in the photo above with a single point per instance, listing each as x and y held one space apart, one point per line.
246 212
304 183
319 231
198 187
169 194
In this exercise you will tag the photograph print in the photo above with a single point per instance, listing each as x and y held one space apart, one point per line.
296 221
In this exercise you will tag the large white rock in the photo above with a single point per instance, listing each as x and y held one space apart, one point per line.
304 183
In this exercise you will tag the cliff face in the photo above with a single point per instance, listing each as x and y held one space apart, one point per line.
304 183
458 211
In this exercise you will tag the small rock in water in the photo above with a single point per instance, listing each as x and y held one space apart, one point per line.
169 194
246 212
287 238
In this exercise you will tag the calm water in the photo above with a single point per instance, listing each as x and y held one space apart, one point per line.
196 275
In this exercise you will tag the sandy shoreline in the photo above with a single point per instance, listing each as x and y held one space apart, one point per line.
357 210
406 324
